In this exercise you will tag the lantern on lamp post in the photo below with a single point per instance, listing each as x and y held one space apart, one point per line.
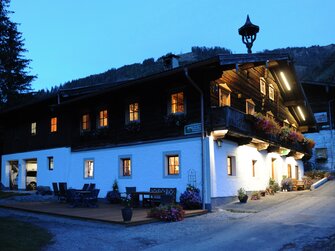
248 32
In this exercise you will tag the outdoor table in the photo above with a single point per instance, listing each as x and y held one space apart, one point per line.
82 194
151 195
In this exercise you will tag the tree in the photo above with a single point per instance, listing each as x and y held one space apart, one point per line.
14 78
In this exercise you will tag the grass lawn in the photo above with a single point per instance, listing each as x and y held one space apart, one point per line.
4 195
17 235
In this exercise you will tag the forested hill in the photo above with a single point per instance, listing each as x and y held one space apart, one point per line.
316 63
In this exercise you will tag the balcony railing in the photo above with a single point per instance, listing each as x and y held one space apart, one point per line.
239 123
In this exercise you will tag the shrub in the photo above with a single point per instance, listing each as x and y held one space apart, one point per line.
167 213
255 196
241 193
267 125
308 181
190 199
286 184
273 185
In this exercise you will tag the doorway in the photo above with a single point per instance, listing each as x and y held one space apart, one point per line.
31 174
273 168
13 174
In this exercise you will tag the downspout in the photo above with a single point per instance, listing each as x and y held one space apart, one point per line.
203 180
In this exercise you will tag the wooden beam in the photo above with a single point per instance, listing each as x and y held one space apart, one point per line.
295 103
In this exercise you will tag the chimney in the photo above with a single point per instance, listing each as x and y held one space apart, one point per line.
170 61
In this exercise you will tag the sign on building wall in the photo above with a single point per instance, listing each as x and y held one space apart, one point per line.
192 128
321 117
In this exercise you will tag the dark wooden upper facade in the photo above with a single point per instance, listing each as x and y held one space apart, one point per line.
237 75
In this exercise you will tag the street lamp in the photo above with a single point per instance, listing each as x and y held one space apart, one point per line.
248 32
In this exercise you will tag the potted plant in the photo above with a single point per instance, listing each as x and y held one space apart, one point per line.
255 196
114 196
190 199
127 210
242 195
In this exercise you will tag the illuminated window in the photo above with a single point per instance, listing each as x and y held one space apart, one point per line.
289 171
33 129
88 168
262 85
177 102
253 168
134 113
126 166
173 164
231 171
224 95
250 107
103 118
85 122
53 124
271 92
51 163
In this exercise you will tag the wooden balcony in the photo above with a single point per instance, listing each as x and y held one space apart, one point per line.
241 129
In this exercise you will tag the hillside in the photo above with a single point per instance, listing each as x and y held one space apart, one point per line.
316 63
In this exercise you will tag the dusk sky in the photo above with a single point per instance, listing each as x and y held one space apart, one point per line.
68 40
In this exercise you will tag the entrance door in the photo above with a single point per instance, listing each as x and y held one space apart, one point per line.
13 174
31 174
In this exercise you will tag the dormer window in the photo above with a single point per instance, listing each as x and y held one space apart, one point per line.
33 128
224 95
250 107
103 118
286 123
262 85
177 103
271 92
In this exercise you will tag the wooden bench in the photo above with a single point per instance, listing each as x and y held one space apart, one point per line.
298 185
168 197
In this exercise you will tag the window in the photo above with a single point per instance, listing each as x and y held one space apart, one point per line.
33 128
250 107
85 122
271 92
134 113
262 85
173 164
126 166
177 102
51 163
231 171
289 171
273 168
253 163
224 95
103 118
286 123
88 168
53 124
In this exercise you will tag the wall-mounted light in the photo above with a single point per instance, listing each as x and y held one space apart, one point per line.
287 85
301 114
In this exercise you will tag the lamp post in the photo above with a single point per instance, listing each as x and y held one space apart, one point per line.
248 32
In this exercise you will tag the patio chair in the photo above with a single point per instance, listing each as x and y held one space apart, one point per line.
73 197
92 199
55 188
62 190
128 194
91 187
85 187
166 199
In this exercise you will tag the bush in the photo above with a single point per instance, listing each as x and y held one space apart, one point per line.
167 213
273 185
190 199
316 174
255 196
287 184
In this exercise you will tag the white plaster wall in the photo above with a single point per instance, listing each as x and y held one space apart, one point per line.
224 185
147 166
45 177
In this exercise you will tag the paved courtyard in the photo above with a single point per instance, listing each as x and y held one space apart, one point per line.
287 221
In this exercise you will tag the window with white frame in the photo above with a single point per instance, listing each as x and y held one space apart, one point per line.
262 85
250 107
51 163
88 168
125 166
177 103
231 168
33 128
271 92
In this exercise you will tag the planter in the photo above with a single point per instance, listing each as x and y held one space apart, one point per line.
127 213
244 199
